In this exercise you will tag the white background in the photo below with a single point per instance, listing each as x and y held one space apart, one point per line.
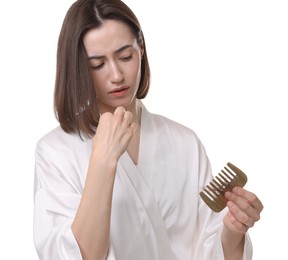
219 67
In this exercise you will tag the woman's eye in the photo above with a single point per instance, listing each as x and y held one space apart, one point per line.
97 67
126 58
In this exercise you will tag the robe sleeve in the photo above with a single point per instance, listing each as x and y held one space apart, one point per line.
56 200
208 245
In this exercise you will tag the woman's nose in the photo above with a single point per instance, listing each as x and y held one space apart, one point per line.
116 73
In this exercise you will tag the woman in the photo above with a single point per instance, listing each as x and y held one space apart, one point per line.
114 181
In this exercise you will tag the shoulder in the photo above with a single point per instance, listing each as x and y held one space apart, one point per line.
175 135
61 159
163 123
172 124
57 141
175 129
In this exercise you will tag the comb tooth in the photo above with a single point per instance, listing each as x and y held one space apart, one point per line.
212 190
222 183
235 169
213 197
220 201
232 182
240 177
225 183
231 173
223 177
216 185
208 191
227 175
208 197
212 204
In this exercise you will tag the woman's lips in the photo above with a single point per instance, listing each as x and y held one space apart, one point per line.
119 92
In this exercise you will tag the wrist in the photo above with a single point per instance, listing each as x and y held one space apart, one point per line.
232 243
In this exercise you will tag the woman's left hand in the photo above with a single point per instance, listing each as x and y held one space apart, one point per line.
244 210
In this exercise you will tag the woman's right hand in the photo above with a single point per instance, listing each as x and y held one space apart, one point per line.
113 134
94 212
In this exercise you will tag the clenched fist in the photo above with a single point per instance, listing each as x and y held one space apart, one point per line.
113 134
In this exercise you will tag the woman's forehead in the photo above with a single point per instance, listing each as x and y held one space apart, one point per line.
110 36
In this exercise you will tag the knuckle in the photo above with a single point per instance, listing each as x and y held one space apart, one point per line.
245 207
245 219
257 218
253 198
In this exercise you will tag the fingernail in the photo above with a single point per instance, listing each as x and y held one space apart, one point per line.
230 204
228 195
236 190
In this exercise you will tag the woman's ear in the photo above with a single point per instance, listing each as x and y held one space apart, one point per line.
142 50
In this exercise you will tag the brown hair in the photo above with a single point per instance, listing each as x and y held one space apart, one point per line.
75 102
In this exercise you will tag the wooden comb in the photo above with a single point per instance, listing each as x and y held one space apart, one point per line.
213 193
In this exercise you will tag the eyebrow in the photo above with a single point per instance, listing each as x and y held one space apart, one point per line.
117 51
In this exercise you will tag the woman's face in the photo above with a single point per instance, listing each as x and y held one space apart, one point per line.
115 60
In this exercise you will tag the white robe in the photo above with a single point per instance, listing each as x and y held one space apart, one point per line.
157 213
